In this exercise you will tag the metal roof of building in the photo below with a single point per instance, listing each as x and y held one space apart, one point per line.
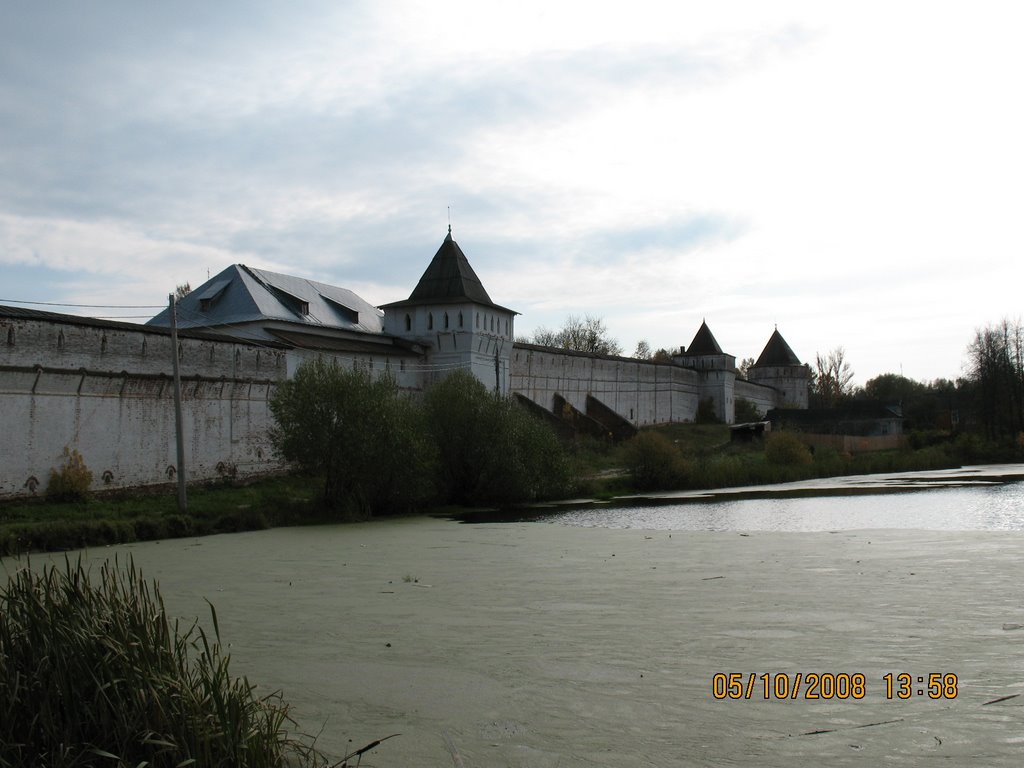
244 296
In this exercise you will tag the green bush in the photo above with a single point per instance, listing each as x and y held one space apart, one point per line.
71 482
96 674
490 449
745 411
786 449
356 431
654 462
828 462
706 412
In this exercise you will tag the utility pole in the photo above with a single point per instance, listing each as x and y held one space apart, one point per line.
178 431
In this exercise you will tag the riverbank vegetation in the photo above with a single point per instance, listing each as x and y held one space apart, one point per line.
668 459
48 525
382 452
94 672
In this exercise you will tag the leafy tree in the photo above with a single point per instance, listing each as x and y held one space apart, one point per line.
832 379
587 334
358 432
643 350
182 290
995 368
744 367
490 449
661 356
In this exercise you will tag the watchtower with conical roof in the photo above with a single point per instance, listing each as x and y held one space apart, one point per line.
451 316
779 368
717 369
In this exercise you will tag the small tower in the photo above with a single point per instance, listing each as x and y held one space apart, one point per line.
717 369
450 314
779 368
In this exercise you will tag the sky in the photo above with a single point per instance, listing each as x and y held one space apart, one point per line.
850 173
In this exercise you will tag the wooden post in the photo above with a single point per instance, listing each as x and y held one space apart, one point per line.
178 430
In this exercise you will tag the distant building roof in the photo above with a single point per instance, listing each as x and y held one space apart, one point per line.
704 343
244 296
777 352
448 279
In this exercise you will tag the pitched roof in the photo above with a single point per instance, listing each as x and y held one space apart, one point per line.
703 343
777 352
448 279
242 294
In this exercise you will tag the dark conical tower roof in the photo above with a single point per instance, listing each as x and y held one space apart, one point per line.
704 343
777 352
448 279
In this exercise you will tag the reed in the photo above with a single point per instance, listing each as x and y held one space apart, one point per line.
94 673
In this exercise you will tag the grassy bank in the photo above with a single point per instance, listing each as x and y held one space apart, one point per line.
676 457
47 526
698 457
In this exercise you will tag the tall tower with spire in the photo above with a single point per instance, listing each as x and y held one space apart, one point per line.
717 369
779 367
450 314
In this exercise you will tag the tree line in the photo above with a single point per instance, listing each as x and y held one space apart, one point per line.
988 398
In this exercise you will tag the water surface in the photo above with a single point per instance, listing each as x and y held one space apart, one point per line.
982 498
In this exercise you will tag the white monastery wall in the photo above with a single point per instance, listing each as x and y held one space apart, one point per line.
642 392
763 397
106 391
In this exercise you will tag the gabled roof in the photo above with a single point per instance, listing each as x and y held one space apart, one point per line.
703 343
777 352
244 295
448 279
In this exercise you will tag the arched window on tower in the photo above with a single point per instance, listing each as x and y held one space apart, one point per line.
446 321
460 319
408 323
430 321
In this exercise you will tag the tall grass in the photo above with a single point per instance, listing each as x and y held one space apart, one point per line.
94 673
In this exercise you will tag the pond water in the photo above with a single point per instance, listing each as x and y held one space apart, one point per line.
593 638
983 498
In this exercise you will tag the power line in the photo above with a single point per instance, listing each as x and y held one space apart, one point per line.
87 306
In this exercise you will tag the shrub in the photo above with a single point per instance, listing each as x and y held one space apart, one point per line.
745 411
356 431
706 412
71 482
654 462
96 674
786 449
828 462
491 450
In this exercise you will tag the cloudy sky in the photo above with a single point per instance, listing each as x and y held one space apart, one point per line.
850 172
